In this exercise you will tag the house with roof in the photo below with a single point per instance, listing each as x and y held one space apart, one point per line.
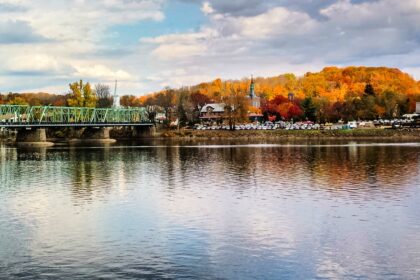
215 112
212 112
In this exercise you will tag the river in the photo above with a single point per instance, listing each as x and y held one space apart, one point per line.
336 210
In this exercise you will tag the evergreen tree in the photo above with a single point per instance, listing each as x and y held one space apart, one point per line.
369 90
309 109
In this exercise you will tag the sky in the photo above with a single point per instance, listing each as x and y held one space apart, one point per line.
149 44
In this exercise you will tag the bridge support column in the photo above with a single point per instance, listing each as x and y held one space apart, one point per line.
32 138
144 131
97 136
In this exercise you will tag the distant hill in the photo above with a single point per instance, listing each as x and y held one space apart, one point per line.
332 83
329 95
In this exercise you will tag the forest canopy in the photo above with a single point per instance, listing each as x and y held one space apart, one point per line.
329 95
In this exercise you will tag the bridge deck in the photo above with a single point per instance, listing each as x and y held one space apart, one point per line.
23 116
62 125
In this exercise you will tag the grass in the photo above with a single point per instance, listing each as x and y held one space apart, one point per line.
356 133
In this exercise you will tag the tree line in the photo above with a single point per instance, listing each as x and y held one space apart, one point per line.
80 95
351 93
332 94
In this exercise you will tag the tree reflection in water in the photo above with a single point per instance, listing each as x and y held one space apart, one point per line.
297 211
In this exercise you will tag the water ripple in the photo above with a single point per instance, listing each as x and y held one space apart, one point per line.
261 211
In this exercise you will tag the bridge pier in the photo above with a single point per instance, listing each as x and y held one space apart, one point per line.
32 138
95 135
144 131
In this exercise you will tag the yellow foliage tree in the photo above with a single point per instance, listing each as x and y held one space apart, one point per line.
81 95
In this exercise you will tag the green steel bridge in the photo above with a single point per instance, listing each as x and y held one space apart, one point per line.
21 116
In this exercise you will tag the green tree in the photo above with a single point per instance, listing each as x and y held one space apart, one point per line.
184 107
369 90
322 105
18 101
291 82
389 101
81 95
309 109
236 106
369 102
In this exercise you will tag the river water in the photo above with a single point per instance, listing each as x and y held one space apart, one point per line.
347 210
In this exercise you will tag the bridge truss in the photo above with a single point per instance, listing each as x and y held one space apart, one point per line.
44 116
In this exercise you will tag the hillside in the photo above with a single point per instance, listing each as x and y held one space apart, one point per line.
329 95
332 83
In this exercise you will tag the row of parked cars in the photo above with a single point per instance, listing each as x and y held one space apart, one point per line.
264 126
307 125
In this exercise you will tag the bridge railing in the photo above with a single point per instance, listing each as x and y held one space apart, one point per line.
70 115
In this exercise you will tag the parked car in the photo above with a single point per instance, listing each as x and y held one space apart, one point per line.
352 125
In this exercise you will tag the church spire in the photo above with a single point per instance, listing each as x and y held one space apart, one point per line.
252 88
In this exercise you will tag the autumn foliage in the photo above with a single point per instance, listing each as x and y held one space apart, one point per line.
329 95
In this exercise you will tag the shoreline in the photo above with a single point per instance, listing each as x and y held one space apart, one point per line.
356 134
249 136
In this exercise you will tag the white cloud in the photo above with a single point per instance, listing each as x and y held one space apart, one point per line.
102 72
291 38
40 63
69 38
17 31
206 8
59 39
179 50
276 21
83 20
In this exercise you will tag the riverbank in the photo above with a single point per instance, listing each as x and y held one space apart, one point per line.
395 134
254 135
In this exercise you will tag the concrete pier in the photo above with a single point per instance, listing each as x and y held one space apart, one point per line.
92 135
32 138
144 131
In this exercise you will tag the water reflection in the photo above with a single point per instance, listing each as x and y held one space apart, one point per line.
290 211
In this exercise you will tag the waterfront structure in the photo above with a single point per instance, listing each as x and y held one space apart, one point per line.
31 122
215 112
15 116
212 112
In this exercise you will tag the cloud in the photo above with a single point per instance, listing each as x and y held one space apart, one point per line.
229 36
275 22
103 72
178 46
71 38
33 64
17 31
257 7
74 37
206 8
296 34
10 8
